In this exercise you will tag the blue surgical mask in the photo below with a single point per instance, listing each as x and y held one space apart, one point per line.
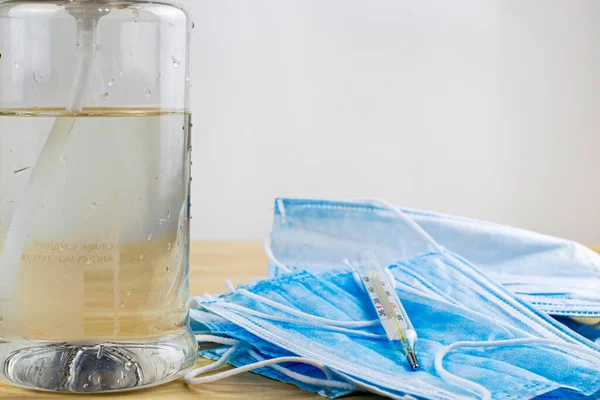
558 276
481 346
246 351
496 344
476 338
305 376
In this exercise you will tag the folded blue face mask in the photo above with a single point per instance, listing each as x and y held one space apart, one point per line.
558 276
471 368
305 376
475 338
250 353
501 352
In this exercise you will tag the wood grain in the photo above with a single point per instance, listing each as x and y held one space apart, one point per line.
211 264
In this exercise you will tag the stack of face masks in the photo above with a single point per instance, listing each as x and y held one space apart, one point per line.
311 324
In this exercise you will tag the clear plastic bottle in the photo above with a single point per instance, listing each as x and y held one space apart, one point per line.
94 194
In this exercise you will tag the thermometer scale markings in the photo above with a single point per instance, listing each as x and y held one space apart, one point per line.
381 298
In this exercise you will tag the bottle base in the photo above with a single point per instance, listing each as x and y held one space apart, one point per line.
100 367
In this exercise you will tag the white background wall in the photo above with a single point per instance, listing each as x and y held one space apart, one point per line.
488 109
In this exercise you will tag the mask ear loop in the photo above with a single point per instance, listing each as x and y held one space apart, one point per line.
485 394
245 310
235 344
406 219
268 245
309 317
192 379
306 379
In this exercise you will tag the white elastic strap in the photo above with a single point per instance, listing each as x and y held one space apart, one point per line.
216 339
485 394
235 344
444 298
190 380
322 325
281 209
415 275
390 276
329 382
407 219
229 286
269 252
209 297
300 314
358 280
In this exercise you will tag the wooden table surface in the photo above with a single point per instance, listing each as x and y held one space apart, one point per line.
211 264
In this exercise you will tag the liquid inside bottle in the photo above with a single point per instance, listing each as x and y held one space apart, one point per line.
101 297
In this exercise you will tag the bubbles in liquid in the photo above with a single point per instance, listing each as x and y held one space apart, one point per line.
150 237
172 25
148 93
128 365
94 206
169 246
123 305
64 159
17 66
86 385
36 78
111 82
176 63
161 221
129 292
193 24
90 377
142 256
167 268
105 96
89 261
156 329
169 213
